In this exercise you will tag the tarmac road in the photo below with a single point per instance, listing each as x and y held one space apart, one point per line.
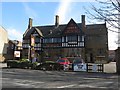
25 78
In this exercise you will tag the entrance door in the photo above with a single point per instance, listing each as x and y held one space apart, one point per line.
91 57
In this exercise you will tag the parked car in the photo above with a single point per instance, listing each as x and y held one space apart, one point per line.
64 62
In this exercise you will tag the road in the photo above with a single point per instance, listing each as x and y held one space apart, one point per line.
25 78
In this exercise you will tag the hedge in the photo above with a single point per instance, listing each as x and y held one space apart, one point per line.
23 63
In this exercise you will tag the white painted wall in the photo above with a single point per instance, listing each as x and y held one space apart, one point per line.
3 40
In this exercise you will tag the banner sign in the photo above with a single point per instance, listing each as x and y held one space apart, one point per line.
32 40
16 53
79 67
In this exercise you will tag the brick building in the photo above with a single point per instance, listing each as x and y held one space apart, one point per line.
13 45
66 40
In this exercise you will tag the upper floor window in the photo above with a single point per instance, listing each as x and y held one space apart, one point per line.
47 40
37 40
26 41
56 40
72 38
82 38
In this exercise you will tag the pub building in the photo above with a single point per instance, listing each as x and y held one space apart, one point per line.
71 40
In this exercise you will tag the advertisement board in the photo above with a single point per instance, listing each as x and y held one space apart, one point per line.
32 40
79 67
16 53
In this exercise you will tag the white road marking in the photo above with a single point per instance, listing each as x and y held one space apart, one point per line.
66 86
91 78
91 86
84 85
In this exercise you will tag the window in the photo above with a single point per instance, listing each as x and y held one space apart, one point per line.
47 40
37 40
56 40
82 38
72 38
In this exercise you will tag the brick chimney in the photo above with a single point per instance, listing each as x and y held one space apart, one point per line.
83 22
56 21
30 23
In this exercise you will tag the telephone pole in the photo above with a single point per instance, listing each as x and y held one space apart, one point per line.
118 50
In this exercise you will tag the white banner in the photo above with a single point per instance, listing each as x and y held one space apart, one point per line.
79 67
16 53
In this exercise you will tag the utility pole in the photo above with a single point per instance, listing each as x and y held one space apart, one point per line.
118 50
29 52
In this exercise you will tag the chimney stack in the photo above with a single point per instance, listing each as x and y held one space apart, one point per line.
83 22
30 23
56 21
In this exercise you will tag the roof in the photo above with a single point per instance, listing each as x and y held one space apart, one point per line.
95 29
53 31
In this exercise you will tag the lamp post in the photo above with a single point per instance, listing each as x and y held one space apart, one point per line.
29 52
15 42
118 50
41 49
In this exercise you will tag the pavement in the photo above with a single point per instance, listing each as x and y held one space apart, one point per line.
2 65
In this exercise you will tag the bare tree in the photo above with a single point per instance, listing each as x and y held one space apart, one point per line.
108 11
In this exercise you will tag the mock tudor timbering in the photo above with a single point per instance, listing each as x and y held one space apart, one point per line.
67 40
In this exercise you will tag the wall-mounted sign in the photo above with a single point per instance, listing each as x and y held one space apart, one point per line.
16 53
32 40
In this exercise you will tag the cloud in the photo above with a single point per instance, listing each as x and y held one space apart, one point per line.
29 11
14 34
63 10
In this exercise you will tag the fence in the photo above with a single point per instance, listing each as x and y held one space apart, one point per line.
95 67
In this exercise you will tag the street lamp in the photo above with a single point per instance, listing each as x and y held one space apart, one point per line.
29 52
15 42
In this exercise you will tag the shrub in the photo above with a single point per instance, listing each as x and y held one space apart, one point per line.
24 63
49 62
34 65
13 63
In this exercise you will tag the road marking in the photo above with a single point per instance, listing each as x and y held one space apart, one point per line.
91 78
91 86
66 86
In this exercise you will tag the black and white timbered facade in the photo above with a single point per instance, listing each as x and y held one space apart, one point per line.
54 41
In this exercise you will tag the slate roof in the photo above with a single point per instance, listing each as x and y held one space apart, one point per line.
96 29
57 31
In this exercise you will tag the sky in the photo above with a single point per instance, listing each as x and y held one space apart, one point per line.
15 15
